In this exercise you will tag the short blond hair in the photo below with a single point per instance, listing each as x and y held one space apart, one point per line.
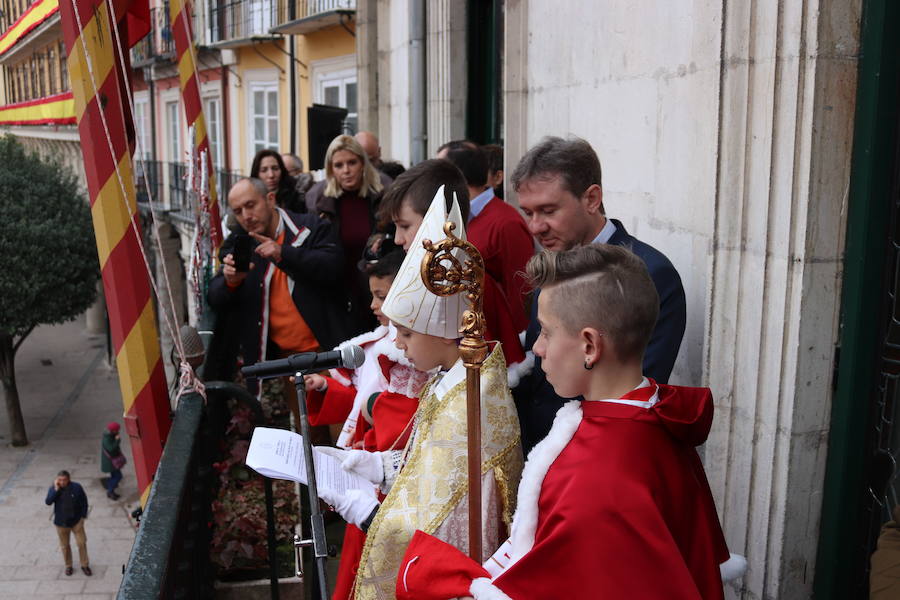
371 182
603 286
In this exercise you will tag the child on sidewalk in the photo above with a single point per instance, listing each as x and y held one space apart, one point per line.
428 483
614 502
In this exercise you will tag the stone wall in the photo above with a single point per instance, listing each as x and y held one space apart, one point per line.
725 134
383 50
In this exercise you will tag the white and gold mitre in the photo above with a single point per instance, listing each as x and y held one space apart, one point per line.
409 303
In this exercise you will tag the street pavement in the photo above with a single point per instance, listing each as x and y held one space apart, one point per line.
68 395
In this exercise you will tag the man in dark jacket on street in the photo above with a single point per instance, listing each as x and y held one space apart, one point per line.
70 509
558 182
292 298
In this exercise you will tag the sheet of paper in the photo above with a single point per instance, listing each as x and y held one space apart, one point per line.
278 453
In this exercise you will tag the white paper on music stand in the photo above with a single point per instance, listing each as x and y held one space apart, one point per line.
278 453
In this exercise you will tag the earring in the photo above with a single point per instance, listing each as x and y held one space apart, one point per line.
587 367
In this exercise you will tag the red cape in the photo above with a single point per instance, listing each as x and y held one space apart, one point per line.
623 512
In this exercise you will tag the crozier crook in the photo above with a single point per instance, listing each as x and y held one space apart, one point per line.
445 275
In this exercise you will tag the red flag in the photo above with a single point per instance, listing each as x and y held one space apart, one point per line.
133 19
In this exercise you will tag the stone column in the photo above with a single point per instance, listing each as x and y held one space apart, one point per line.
367 63
515 90
786 106
447 67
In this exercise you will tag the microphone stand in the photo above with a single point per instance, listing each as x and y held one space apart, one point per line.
317 521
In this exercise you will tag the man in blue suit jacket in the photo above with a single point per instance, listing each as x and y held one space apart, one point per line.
559 186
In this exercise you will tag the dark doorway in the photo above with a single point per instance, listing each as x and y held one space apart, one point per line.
861 485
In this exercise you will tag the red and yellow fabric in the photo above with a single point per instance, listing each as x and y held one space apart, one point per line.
58 109
37 13
100 112
180 18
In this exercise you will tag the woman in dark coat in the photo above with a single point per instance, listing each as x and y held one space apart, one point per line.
349 198
109 450
269 167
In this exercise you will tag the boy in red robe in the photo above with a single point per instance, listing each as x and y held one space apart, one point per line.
614 502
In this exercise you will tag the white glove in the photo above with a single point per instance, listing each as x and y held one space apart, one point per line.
368 465
355 506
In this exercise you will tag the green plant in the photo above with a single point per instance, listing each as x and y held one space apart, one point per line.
50 267
239 541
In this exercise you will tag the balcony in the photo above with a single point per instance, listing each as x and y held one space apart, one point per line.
35 27
312 15
159 44
167 182
241 22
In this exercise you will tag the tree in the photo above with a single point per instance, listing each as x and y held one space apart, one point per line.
48 259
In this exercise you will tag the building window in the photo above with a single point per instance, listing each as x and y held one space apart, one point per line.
264 115
10 78
260 17
173 132
212 111
335 84
41 72
63 66
142 127
51 71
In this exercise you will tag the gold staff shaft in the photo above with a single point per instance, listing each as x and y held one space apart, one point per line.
444 275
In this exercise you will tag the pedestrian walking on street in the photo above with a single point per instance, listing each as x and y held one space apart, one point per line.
70 509
111 460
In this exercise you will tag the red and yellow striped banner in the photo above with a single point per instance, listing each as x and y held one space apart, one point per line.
37 13
180 19
58 109
93 62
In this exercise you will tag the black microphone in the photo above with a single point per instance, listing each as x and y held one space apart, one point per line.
350 357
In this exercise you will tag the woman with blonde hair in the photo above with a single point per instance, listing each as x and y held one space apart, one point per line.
349 198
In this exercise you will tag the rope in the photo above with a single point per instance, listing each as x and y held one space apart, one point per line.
188 380
187 377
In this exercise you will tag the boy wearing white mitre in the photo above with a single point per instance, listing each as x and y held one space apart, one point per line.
427 485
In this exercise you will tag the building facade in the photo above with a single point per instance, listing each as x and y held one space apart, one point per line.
261 65
726 133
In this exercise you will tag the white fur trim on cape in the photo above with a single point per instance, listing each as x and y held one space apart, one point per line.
515 372
339 377
483 589
525 521
383 336
522 335
734 567
365 338
388 349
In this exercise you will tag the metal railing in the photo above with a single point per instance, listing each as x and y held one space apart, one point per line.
170 555
159 44
240 19
310 8
167 182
